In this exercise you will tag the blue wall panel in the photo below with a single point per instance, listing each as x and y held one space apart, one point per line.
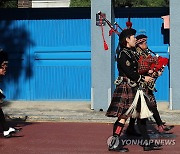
55 63
62 69
60 33
61 74
50 52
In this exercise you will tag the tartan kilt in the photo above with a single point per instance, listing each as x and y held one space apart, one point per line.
122 99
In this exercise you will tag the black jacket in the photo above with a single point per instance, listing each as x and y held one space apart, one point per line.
127 64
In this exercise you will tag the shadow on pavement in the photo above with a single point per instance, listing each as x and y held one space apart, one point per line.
16 123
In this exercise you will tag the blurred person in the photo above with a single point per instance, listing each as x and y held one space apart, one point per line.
7 131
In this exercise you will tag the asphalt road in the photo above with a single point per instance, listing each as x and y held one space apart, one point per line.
72 138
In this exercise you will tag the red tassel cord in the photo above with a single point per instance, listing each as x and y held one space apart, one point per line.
102 29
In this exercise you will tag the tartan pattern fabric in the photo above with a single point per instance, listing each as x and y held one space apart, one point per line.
145 63
141 40
122 99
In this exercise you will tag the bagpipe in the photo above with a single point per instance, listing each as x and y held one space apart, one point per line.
154 63
114 29
146 60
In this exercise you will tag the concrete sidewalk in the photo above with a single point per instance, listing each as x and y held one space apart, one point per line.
72 112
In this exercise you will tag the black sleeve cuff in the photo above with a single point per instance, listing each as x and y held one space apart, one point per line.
141 78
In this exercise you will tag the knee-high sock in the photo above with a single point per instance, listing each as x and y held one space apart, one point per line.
156 116
3 121
131 123
117 129
141 123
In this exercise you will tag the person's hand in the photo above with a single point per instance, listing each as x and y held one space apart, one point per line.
3 67
160 72
2 71
150 71
148 79
4 64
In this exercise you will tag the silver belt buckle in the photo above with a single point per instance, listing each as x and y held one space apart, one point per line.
118 81
131 83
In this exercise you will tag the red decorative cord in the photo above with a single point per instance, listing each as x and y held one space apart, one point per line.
102 29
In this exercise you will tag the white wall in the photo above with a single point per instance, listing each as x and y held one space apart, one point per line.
50 3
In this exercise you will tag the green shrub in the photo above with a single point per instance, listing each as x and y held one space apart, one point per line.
80 3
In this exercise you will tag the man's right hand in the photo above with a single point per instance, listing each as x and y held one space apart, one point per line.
148 79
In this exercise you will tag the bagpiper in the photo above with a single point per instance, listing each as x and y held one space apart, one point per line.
125 100
146 67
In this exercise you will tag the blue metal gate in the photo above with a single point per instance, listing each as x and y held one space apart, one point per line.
50 54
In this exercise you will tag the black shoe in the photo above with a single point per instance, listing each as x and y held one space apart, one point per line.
119 149
152 147
167 128
116 145
164 128
17 129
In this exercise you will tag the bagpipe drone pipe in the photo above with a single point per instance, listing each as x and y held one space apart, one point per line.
154 63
